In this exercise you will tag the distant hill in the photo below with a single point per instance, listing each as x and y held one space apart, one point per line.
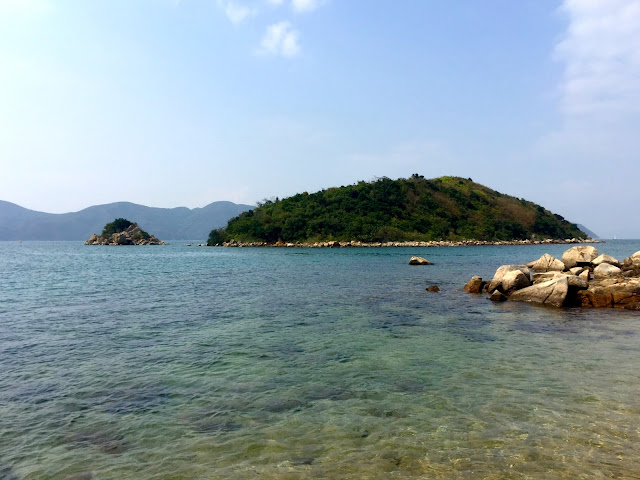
588 232
18 223
446 208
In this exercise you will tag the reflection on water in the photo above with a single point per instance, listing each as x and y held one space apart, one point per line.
184 363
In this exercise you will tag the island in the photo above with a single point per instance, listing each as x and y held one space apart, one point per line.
123 232
400 212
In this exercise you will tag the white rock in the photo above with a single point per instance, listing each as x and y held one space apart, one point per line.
604 258
581 254
501 271
515 280
552 292
605 270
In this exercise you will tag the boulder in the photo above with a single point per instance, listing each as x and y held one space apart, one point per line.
514 280
546 276
613 292
475 285
596 297
419 261
497 296
586 275
576 270
605 270
433 288
92 240
604 258
496 282
121 239
552 292
579 255
632 262
546 263
577 283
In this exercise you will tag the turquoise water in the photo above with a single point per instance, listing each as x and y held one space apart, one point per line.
180 362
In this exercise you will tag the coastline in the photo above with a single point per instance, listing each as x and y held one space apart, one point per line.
432 243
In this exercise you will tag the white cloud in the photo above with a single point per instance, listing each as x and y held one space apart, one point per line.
305 5
601 51
280 39
235 12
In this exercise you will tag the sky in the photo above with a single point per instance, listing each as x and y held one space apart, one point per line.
172 103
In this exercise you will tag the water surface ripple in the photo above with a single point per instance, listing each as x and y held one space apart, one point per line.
179 362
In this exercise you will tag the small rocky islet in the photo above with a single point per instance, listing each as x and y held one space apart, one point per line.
581 278
123 232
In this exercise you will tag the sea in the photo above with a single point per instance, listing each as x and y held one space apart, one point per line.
178 362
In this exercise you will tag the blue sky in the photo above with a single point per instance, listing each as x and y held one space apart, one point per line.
184 102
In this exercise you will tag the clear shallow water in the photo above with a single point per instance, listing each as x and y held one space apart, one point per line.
196 363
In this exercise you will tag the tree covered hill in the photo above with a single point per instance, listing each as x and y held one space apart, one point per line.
415 208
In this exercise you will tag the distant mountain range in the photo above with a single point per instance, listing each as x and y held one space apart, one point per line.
18 223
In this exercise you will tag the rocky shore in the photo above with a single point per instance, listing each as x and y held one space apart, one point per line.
133 235
582 278
436 243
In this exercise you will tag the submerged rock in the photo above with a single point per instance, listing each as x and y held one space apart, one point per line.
419 261
433 288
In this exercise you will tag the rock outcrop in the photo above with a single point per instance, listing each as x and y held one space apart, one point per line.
133 235
587 280
604 258
496 282
551 292
419 261
605 270
475 285
546 263
515 280
579 255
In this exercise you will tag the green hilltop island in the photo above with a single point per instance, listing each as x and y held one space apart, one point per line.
123 232
406 212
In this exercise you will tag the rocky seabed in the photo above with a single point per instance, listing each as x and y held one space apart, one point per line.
581 278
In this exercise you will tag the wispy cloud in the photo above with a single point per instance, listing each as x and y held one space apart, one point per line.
601 52
236 12
280 39
305 5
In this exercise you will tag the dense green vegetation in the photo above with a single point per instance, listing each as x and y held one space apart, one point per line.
446 208
120 225
117 226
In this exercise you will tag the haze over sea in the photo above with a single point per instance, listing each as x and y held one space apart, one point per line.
179 362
